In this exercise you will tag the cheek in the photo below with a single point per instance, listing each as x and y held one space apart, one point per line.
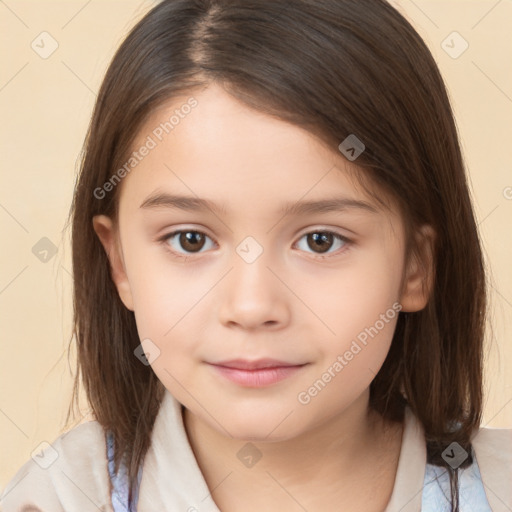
171 309
357 310
164 293
346 370
349 300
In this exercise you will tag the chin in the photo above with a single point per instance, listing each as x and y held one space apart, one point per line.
259 435
258 427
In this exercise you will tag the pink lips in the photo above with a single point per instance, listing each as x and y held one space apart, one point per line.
255 374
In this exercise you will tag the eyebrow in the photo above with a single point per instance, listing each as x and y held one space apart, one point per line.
196 204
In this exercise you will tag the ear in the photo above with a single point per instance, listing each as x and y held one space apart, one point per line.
419 276
107 233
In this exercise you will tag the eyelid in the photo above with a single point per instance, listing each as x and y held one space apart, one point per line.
325 229
177 230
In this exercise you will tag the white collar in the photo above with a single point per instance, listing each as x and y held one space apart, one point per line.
410 474
171 478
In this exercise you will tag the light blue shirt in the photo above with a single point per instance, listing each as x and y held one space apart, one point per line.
436 490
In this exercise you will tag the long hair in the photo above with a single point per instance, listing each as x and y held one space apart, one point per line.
336 68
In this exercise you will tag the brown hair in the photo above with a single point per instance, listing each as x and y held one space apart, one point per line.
335 67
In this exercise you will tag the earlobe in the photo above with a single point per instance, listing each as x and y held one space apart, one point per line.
106 232
420 272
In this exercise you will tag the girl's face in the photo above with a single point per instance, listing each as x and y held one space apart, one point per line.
279 259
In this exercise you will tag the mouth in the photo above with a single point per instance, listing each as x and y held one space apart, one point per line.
257 373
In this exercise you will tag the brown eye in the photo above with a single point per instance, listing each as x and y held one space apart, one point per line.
320 242
191 240
186 241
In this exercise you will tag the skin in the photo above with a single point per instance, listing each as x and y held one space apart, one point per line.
287 304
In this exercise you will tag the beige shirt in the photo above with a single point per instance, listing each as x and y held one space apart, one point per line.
78 479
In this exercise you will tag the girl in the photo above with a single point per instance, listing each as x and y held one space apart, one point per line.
278 281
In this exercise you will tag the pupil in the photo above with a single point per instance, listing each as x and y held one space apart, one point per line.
323 240
191 238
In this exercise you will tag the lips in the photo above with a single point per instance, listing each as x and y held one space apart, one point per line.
256 374
243 364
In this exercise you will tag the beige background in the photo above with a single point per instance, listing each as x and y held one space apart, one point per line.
46 104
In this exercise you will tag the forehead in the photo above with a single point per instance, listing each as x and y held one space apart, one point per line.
209 145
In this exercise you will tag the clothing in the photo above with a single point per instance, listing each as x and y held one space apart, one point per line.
171 480
436 487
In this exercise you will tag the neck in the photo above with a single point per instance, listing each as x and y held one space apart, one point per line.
340 453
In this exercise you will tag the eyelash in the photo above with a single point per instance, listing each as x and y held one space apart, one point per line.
336 235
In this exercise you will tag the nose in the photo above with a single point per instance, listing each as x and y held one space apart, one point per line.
253 297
